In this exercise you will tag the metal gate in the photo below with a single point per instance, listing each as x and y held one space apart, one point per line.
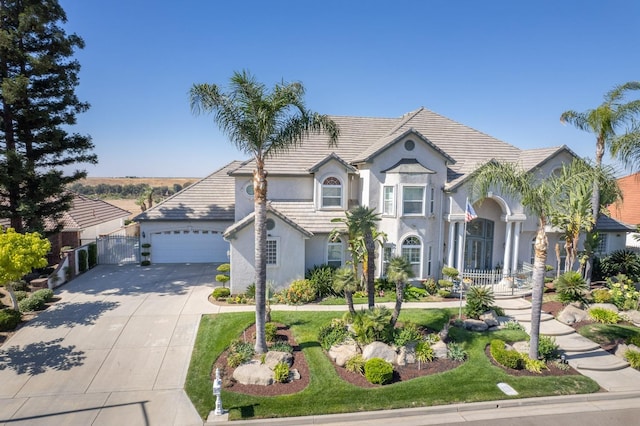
118 249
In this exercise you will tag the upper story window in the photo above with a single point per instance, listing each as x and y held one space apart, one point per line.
334 253
388 200
413 200
331 192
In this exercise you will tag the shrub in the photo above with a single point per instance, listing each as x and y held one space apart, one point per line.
21 295
621 262
623 293
281 372
301 291
83 264
373 325
571 287
547 348
383 284
534 365
378 371
424 352
479 300
239 352
414 293
431 286
456 352
633 357
332 334
450 272
604 316
504 357
355 364
321 277
44 293
443 292
93 255
220 293
281 347
250 292
234 360
634 340
145 263
270 331
31 304
409 332
20 285
601 295
513 325
9 319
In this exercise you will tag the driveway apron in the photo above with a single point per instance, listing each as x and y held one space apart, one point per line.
114 350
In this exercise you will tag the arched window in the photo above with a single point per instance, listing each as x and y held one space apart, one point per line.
331 192
335 253
412 251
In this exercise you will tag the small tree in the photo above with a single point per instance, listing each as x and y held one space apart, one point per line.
223 277
345 280
19 254
398 271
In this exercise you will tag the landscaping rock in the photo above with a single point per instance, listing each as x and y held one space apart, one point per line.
294 374
272 358
522 347
439 349
490 318
607 306
253 373
406 354
340 354
379 350
621 349
475 325
633 316
570 315
444 333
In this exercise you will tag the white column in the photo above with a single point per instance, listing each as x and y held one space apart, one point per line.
452 240
506 263
516 245
461 246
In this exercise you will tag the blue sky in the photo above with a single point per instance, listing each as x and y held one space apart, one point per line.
507 68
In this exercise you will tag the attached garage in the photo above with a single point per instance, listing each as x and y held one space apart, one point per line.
189 246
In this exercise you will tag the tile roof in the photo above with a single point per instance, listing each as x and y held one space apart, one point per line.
305 214
628 210
211 198
247 220
609 224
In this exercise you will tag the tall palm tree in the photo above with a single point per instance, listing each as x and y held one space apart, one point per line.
361 230
345 281
539 196
606 121
399 271
263 123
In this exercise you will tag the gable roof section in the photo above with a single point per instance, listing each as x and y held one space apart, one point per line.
409 166
330 157
532 158
250 218
305 214
609 224
211 198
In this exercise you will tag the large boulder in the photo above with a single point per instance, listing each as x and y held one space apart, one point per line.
607 306
340 354
253 373
379 350
632 316
571 314
273 358
406 354
522 347
475 325
490 318
439 349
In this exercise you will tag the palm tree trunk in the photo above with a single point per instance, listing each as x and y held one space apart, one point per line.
539 261
370 246
595 205
398 306
260 206
349 296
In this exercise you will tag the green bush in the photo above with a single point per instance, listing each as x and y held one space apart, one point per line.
621 262
604 316
355 364
443 292
250 292
83 264
93 255
409 332
384 284
281 372
281 346
373 325
44 293
220 293
623 293
634 340
301 291
9 319
332 334
513 325
534 365
378 371
234 360
504 357
239 352
270 331
145 263
456 352
571 287
424 352
633 357
548 349
21 295
20 285
479 300
414 293
431 286
601 295
321 277
31 304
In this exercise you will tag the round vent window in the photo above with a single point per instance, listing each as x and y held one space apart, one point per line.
249 189
409 145
270 223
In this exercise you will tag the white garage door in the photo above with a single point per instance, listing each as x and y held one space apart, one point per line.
188 246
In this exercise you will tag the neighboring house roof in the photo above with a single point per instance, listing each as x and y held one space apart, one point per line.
83 213
247 220
211 198
627 210
609 224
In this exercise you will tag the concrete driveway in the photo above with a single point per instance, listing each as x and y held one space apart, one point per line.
114 351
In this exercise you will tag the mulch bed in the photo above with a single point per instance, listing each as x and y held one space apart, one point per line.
552 368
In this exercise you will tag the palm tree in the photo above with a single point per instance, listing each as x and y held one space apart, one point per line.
605 121
345 280
540 198
263 123
399 271
362 233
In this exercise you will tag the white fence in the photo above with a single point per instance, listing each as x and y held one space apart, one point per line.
513 283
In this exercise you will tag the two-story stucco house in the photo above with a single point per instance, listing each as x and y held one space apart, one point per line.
414 170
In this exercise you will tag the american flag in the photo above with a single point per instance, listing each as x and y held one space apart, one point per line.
470 214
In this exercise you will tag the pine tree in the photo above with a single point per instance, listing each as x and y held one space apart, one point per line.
38 77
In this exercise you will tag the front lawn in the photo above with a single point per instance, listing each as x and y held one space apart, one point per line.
608 335
327 393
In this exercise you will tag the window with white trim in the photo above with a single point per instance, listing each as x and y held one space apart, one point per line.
412 251
387 253
603 240
388 200
413 200
271 253
331 192
334 253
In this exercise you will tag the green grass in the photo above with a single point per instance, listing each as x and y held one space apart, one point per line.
356 300
606 334
473 381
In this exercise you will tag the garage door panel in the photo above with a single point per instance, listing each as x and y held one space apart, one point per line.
188 247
